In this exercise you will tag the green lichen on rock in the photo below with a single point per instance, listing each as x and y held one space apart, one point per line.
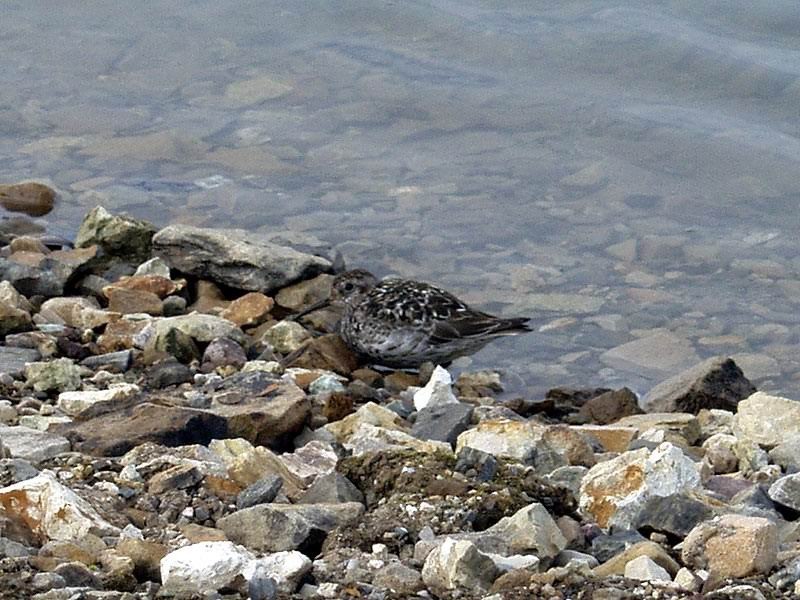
116 235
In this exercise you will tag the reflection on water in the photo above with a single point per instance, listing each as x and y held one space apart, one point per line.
619 170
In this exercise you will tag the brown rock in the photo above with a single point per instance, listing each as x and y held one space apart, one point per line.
177 477
155 284
118 335
611 437
198 533
399 381
302 295
249 310
683 424
14 310
732 546
210 298
30 259
146 557
131 301
714 383
115 433
74 258
337 406
327 352
29 197
79 312
28 244
368 376
610 406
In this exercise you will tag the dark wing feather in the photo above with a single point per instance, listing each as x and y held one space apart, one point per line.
473 324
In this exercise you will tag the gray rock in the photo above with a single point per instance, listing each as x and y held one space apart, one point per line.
458 564
442 422
398 577
77 574
787 454
476 463
658 355
12 360
332 488
223 352
262 491
167 373
714 383
605 547
43 582
117 235
645 568
786 491
11 549
32 445
530 529
47 279
277 527
235 257
14 470
118 362
767 420
677 514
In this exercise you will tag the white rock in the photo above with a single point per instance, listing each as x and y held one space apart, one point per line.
505 564
688 580
52 510
458 563
438 390
369 438
645 568
154 266
32 444
73 403
286 568
765 419
204 567
530 529
613 492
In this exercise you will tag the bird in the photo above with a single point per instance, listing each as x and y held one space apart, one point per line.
402 323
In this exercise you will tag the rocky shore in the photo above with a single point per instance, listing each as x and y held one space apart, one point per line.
167 430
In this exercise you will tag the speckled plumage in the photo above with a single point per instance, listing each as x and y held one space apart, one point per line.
402 323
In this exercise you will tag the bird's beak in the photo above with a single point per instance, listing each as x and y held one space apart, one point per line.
310 309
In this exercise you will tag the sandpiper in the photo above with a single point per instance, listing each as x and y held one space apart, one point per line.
401 323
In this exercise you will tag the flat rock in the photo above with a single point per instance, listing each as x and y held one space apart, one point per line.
115 433
767 420
262 491
327 352
234 257
301 295
732 546
714 383
278 527
51 511
684 424
13 360
29 197
785 491
200 327
332 488
246 464
613 438
614 491
32 445
249 310
57 375
205 567
658 355
74 403
74 311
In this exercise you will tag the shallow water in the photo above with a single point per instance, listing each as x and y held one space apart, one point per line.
617 170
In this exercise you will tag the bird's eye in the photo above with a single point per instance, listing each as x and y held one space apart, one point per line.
349 286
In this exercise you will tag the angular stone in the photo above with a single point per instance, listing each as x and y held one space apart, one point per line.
311 461
13 360
369 414
234 257
57 375
286 568
201 328
116 362
644 568
438 390
74 403
131 301
530 529
785 491
178 477
156 285
684 424
786 454
613 492
203 568
732 546
612 438
616 564
247 464
442 422
547 446
399 578
262 491
714 383
260 409
78 312
117 235
14 310
45 278
51 511
223 352
32 445
458 564
767 420
114 433
154 266
301 295
332 488
146 557
610 406
286 336
368 438
277 527
249 310
120 335
327 352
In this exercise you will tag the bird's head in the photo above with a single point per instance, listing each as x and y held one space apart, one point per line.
351 285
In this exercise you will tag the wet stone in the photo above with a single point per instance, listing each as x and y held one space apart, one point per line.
714 383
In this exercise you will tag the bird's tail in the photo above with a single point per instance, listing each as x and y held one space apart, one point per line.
511 326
